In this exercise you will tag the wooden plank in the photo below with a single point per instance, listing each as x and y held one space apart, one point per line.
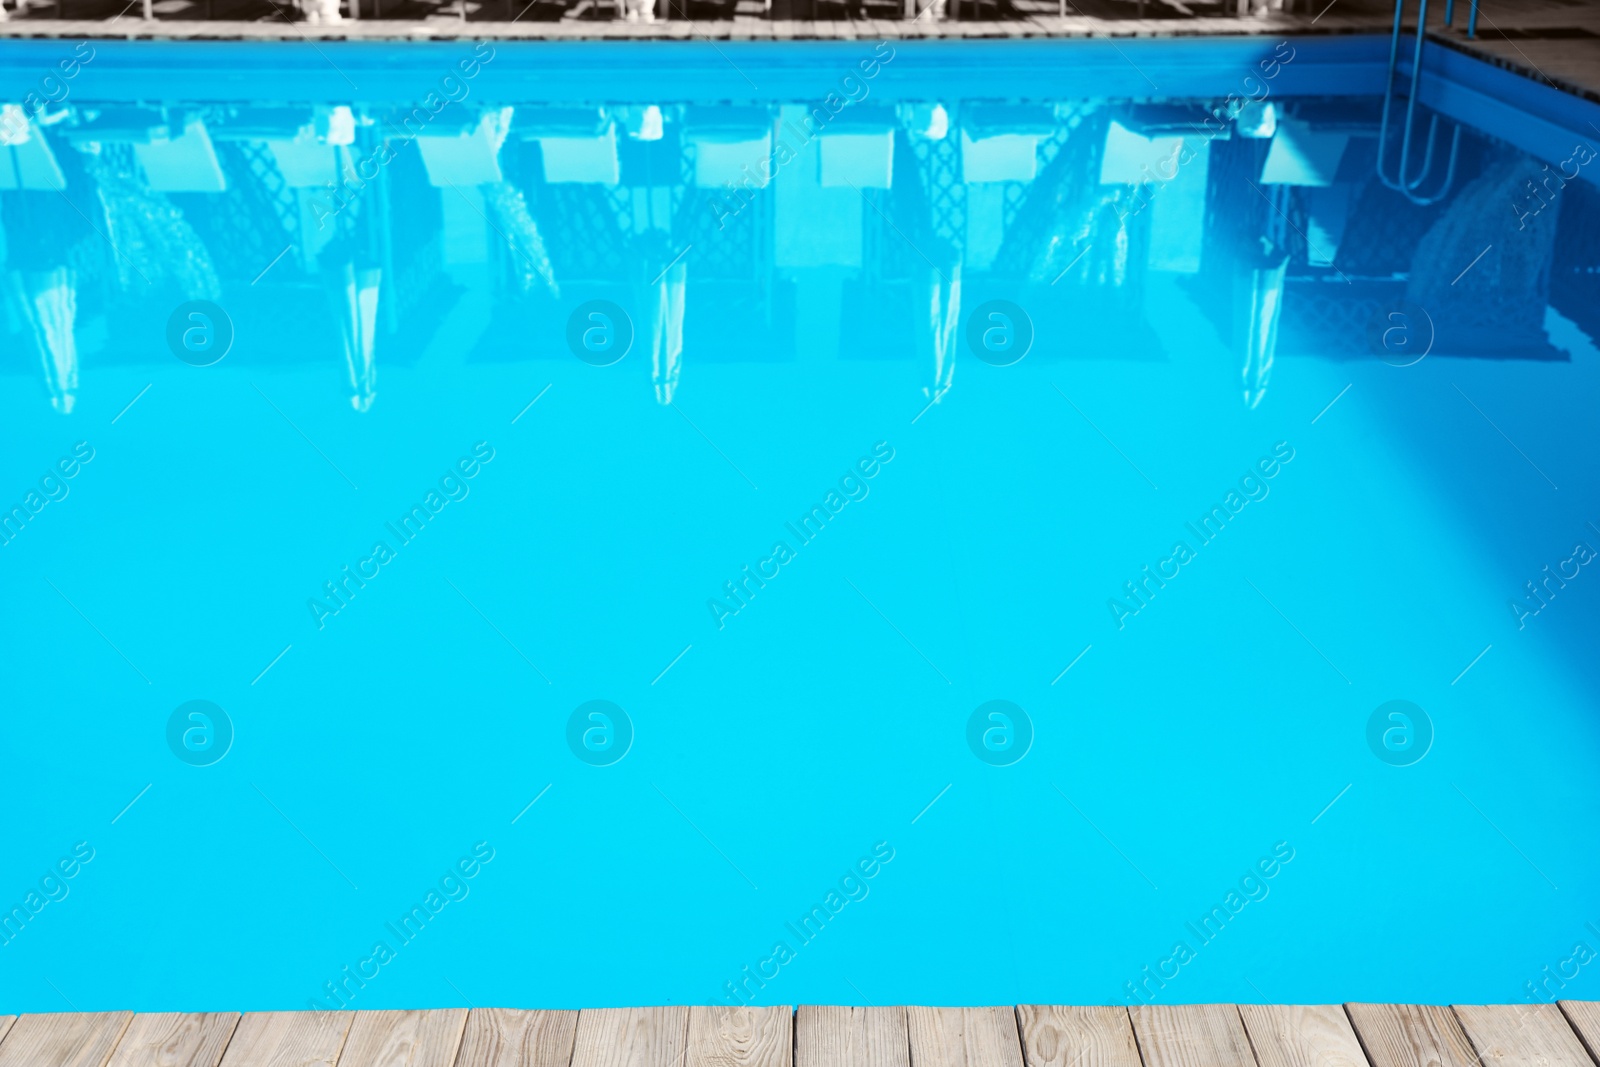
964 1037
1522 1035
78 1039
1411 1035
851 1037
631 1037
1191 1035
497 1037
1583 1015
1315 1035
404 1038
175 1039
721 1036
5 1024
288 1039
1055 1036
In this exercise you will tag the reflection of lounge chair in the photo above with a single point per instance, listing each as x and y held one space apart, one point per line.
576 144
304 142
135 156
268 123
908 303
1000 142
303 145
1157 152
732 146
185 163
1070 228
175 152
124 123
305 163
643 122
812 225
26 161
1076 249
857 148
1301 155
1134 158
301 163
468 154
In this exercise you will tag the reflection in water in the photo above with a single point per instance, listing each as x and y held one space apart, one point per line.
359 310
49 304
664 304
39 229
328 237
531 267
152 238
1500 303
1259 280
939 333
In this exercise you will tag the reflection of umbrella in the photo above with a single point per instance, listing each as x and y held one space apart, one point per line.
350 264
652 242
935 260
665 313
41 232
1259 296
49 303
938 331
359 308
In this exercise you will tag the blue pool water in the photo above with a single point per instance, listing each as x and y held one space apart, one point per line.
797 404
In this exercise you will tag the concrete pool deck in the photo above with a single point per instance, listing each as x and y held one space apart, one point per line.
1209 1035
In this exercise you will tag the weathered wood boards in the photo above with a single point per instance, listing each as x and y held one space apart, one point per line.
1191 1035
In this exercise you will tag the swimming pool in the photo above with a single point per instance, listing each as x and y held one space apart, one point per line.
860 522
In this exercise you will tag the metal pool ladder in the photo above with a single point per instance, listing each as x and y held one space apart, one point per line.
1401 183
1472 17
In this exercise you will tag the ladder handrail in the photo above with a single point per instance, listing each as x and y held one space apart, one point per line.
1408 186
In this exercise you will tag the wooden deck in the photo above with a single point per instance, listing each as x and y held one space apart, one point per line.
1208 1035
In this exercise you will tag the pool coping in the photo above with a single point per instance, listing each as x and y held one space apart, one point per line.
446 29
1033 27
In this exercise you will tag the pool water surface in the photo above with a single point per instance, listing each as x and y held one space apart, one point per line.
557 527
